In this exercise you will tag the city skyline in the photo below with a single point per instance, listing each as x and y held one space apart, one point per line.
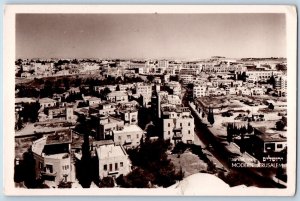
155 36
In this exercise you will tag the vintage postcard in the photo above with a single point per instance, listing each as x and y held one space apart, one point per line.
150 100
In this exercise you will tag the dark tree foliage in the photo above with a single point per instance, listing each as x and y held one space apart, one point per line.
63 184
19 124
85 164
153 165
271 81
249 128
24 91
30 112
138 178
242 143
107 182
210 116
229 133
280 125
174 78
73 97
271 106
29 169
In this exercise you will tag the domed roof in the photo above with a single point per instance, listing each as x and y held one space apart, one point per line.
201 183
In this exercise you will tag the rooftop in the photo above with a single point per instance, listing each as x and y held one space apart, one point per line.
46 100
60 137
102 142
110 151
117 93
129 128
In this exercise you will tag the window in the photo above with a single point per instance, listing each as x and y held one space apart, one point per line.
129 137
119 137
41 165
279 146
116 166
105 167
49 168
121 164
189 132
169 132
137 136
169 124
180 124
189 124
110 167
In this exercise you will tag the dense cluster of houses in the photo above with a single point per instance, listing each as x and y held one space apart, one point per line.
115 118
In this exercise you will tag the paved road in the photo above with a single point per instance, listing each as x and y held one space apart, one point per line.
248 176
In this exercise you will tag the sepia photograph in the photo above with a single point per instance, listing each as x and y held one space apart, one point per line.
152 100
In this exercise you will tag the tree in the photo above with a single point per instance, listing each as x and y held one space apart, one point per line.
272 81
30 112
19 124
210 116
150 78
85 173
271 106
229 133
152 166
29 169
280 125
242 143
107 182
118 88
249 128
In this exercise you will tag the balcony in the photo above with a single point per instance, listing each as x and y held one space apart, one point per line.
177 136
47 173
113 172
177 129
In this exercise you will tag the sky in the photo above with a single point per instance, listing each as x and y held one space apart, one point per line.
156 36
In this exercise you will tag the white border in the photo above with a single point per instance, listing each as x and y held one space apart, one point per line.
9 83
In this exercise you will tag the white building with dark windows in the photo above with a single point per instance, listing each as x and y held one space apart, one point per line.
113 159
199 91
178 124
52 157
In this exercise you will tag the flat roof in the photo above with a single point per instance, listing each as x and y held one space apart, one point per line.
129 128
110 151
60 137
102 142
46 100
271 137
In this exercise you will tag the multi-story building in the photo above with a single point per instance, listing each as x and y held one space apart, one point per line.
281 85
103 108
262 75
105 125
57 113
128 115
113 159
178 124
52 157
145 91
175 87
199 91
91 100
47 102
129 136
186 78
117 96
189 71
